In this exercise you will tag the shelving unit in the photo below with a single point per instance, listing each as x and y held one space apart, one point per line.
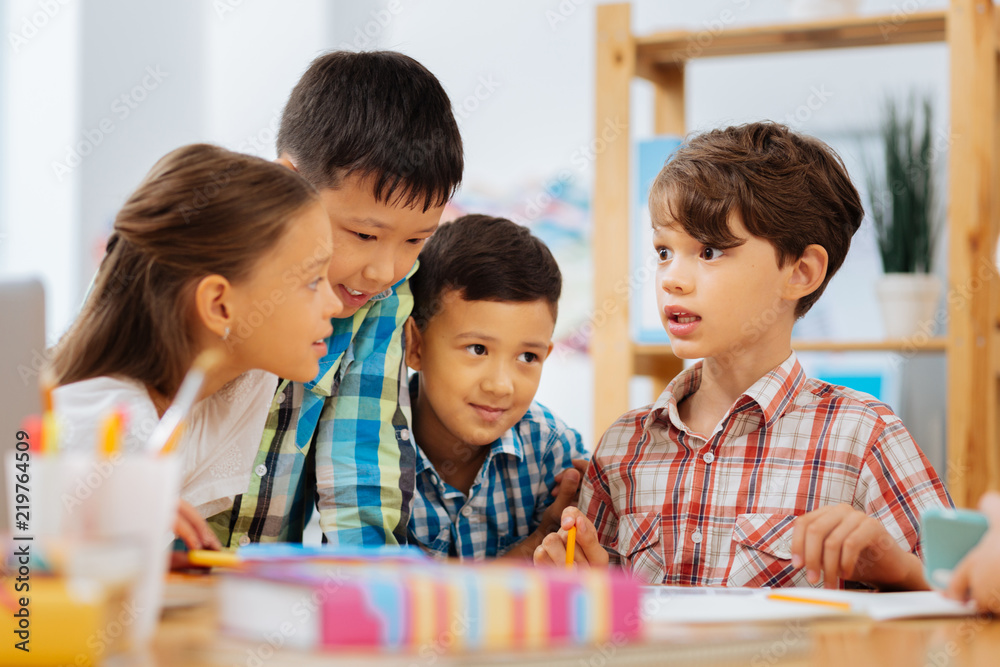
970 28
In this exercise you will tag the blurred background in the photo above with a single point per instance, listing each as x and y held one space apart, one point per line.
93 92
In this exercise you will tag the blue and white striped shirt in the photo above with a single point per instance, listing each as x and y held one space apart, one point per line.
508 497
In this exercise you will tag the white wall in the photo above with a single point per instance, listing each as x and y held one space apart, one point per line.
520 74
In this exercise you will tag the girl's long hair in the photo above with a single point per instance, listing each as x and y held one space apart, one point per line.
201 210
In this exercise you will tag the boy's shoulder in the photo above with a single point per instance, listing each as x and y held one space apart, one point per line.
845 403
540 427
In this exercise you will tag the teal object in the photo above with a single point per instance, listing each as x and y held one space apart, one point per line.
946 536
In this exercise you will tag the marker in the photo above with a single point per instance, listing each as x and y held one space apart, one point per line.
206 558
570 547
111 433
781 597
50 428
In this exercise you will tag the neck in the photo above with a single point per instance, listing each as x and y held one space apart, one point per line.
215 379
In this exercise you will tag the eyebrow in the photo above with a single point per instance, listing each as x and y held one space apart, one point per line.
314 262
378 224
473 335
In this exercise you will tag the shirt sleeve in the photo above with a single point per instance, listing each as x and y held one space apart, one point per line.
563 446
364 465
898 483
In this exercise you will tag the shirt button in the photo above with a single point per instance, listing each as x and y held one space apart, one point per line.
708 458
696 537
245 540
467 511
280 398
404 434
261 470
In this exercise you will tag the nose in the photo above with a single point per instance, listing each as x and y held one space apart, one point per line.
498 381
380 269
675 278
332 305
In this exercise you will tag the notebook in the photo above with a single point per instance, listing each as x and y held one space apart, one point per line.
22 331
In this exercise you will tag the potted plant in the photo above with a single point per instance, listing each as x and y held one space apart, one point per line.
904 212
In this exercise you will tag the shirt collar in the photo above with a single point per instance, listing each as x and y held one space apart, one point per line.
772 393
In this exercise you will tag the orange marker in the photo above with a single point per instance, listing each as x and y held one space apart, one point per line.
50 430
111 433
570 547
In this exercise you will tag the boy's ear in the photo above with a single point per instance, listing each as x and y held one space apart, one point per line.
285 160
808 272
212 304
414 341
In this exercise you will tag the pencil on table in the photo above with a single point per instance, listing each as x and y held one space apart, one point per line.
570 547
843 606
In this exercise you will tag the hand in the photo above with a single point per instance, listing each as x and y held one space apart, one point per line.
589 552
977 577
566 491
580 465
840 542
193 530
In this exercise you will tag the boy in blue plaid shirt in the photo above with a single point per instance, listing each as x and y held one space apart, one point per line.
375 134
494 468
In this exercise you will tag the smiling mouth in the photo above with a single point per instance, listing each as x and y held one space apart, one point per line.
684 319
353 292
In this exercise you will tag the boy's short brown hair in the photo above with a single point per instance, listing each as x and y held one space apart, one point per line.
787 188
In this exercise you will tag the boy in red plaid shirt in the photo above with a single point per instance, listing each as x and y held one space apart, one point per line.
745 472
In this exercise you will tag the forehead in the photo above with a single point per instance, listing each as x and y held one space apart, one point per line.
353 201
507 319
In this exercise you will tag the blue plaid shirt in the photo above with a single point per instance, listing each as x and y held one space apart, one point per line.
508 497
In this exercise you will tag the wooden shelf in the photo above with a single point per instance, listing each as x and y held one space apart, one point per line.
666 48
971 31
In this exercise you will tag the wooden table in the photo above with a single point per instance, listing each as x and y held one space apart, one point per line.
188 637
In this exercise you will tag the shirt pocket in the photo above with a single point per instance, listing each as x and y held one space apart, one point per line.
763 550
639 537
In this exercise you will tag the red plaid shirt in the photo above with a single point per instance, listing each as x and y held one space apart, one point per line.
674 508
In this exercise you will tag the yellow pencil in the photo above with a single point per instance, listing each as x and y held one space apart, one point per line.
843 606
111 433
207 558
570 547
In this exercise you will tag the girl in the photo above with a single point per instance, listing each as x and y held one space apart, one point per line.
215 251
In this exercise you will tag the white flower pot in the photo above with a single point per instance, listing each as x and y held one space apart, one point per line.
909 302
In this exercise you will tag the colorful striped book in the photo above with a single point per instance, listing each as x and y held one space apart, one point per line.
442 606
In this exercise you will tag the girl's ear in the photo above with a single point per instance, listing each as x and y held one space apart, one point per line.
808 272
414 340
212 302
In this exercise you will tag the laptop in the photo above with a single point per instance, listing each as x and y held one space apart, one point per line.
22 353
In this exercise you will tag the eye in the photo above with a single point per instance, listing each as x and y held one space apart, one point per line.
314 285
664 254
527 357
415 241
476 349
711 253
365 237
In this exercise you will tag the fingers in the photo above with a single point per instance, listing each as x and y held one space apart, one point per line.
817 543
958 586
194 530
579 465
552 550
566 491
588 544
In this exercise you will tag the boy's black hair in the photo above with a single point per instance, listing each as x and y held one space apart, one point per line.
484 259
380 115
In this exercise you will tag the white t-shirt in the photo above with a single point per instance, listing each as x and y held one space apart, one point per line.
220 439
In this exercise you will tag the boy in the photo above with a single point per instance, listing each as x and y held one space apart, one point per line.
375 134
489 459
745 472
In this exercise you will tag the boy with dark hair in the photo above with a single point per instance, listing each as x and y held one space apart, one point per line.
745 472
375 134
494 468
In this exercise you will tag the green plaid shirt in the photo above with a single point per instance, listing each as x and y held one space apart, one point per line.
339 442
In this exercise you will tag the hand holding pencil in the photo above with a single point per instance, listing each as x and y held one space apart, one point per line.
579 548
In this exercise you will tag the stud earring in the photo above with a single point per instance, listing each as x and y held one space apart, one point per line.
225 336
